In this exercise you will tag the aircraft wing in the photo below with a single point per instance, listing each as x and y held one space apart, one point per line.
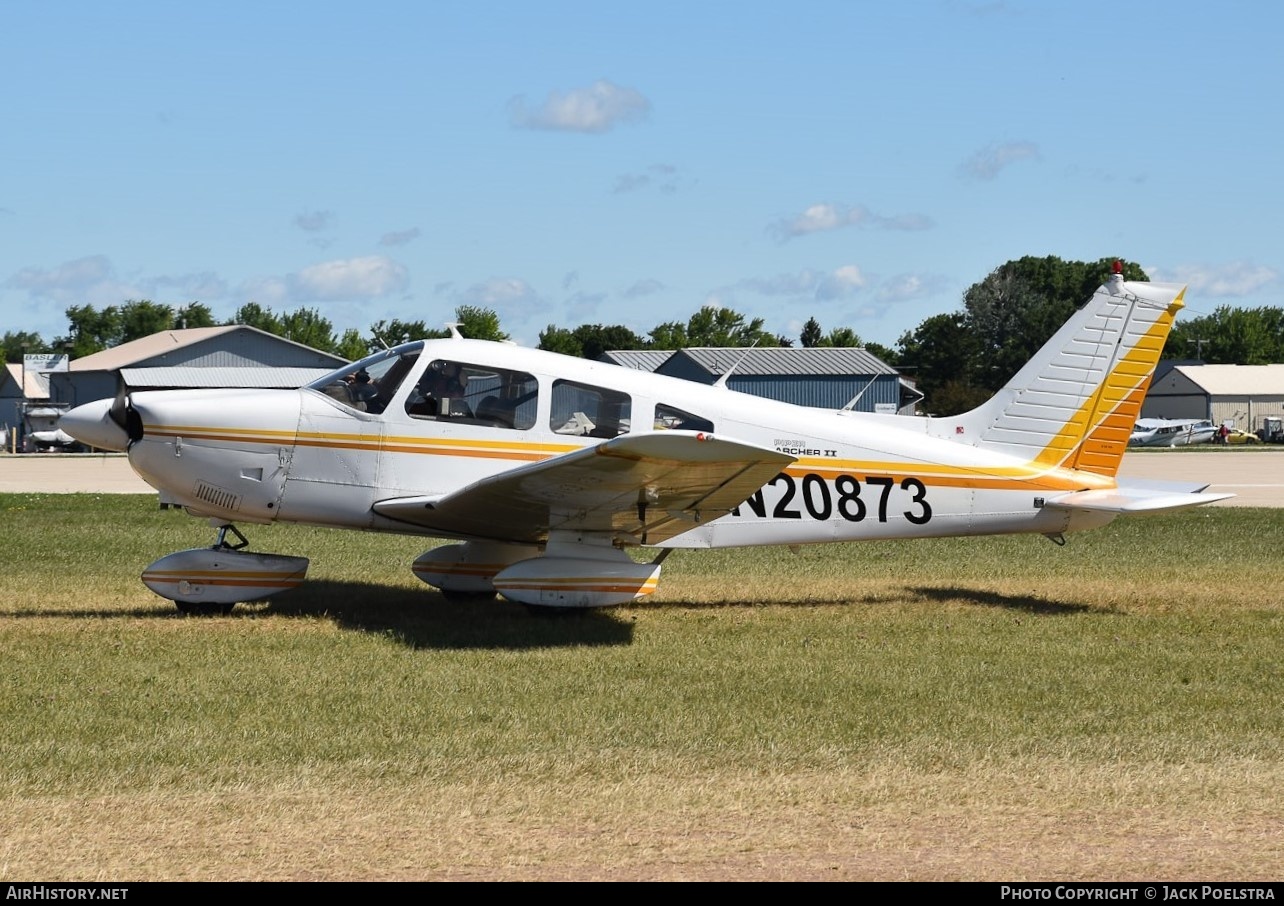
648 487
1138 496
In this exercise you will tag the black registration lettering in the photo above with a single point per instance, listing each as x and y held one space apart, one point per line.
782 510
924 513
815 495
886 484
845 499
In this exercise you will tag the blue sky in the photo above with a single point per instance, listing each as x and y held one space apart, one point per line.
626 163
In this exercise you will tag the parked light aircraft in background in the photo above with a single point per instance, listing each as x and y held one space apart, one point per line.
544 471
1172 432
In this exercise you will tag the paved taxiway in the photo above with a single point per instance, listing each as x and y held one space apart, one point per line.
1256 476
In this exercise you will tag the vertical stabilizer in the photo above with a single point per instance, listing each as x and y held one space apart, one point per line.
1075 402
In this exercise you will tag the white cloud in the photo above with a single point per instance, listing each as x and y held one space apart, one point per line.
500 294
91 280
987 163
824 217
840 284
266 291
1233 279
823 286
69 277
349 278
903 287
595 109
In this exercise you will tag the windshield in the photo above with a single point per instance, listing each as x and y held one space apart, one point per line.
368 384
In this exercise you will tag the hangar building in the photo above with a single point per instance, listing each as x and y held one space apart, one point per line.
821 377
1241 395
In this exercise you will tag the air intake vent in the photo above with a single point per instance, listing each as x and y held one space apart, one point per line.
223 499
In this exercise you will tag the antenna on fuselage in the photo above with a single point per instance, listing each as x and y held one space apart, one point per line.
453 327
722 381
855 399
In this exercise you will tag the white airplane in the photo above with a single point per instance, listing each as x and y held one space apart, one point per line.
1171 432
550 474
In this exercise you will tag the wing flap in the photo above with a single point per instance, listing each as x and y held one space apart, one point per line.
644 488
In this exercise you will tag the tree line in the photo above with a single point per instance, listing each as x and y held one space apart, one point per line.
957 360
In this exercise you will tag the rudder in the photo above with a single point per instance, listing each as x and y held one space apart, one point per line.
1074 403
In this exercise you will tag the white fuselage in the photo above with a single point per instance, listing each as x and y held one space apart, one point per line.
305 456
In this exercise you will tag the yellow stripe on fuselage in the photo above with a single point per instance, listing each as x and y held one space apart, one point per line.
470 447
1028 476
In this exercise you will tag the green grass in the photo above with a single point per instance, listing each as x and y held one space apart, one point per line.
926 675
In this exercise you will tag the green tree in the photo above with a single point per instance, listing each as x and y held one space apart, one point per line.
251 314
91 330
962 359
884 353
668 335
479 323
811 334
712 326
941 353
841 337
16 344
472 322
1022 303
141 318
595 339
352 346
954 397
559 339
194 314
307 326
1230 336
395 332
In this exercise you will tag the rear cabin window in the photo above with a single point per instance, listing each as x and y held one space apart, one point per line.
474 395
671 418
589 411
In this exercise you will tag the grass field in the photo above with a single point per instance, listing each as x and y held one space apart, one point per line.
984 709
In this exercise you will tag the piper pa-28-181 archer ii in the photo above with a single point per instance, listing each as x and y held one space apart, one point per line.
542 471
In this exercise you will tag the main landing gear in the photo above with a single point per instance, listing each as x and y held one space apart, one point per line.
209 581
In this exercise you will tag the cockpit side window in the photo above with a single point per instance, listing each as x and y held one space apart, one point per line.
673 418
475 395
367 386
587 410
